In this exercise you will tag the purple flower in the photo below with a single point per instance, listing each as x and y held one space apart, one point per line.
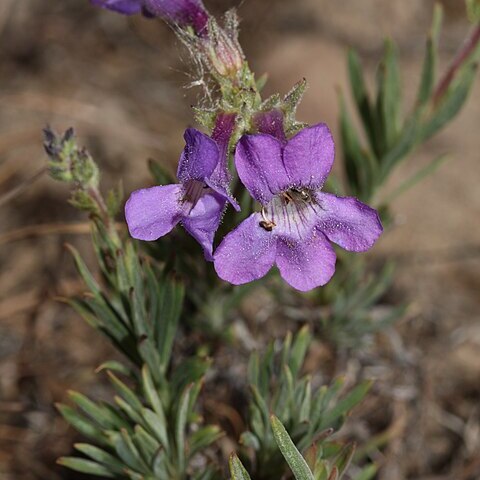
298 221
181 12
127 7
197 202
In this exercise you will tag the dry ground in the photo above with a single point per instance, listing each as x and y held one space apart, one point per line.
119 82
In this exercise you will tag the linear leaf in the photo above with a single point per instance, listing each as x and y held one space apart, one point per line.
181 425
297 463
101 456
85 466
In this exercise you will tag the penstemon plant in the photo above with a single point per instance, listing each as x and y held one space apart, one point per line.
251 199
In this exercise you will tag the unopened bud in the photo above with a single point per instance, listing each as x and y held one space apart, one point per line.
224 52
68 163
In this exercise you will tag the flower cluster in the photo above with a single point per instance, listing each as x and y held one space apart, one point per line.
296 220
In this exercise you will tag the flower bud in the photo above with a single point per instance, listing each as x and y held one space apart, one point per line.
223 51
68 163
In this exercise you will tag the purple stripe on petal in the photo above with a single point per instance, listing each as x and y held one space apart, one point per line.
199 157
127 7
348 222
259 163
309 155
306 264
203 221
246 253
153 212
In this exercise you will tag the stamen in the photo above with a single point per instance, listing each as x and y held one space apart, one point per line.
266 223
292 212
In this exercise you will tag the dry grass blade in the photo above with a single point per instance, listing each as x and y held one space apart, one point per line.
15 192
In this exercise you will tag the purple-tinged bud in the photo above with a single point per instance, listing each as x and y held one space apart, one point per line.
223 51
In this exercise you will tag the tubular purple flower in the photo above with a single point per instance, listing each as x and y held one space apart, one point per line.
180 12
127 7
297 221
197 202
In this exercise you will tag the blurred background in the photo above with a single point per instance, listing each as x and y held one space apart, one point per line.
122 83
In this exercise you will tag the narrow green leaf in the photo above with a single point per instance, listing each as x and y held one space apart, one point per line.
171 294
250 440
127 394
405 143
96 412
146 444
452 101
85 466
158 426
299 350
151 393
389 96
81 424
203 438
237 470
360 95
427 81
101 456
181 425
124 406
114 366
84 272
361 168
346 404
127 451
293 457
344 458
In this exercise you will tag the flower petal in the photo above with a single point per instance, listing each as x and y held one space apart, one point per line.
271 122
153 212
222 190
348 222
199 157
127 7
183 12
258 159
309 156
203 221
306 264
246 253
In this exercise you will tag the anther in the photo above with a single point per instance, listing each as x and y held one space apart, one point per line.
266 223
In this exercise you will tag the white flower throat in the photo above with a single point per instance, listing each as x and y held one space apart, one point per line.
291 212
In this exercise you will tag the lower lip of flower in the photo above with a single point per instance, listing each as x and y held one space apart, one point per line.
193 191
290 213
